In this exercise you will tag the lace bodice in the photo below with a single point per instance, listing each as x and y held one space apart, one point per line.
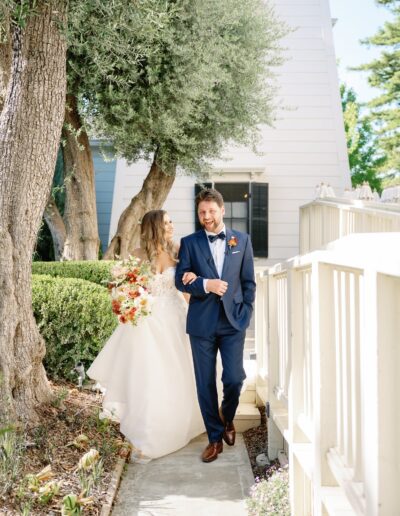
163 284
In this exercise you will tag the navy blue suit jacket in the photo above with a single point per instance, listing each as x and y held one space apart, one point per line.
238 272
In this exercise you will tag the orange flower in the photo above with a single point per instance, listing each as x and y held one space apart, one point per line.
122 319
233 241
116 306
133 293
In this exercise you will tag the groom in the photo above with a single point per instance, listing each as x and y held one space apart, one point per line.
220 309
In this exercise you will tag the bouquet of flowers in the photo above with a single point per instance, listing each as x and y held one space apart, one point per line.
130 295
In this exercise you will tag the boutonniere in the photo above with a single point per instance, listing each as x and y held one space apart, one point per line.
232 242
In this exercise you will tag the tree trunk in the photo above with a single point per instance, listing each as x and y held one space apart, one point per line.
56 226
30 131
152 196
5 65
80 214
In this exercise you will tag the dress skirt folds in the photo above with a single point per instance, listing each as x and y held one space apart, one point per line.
147 373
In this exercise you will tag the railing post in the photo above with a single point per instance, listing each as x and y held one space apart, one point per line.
369 378
261 336
323 377
275 438
387 360
299 487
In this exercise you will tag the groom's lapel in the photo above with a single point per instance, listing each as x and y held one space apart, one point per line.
228 253
205 249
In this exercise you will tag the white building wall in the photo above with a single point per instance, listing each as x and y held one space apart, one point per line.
306 146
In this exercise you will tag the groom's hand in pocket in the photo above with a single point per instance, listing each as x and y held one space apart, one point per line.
217 286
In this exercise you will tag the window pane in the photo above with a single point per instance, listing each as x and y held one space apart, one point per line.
259 219
239 225
239 210
233 192
228 209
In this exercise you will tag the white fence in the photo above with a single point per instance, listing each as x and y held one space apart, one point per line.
330 351
323 221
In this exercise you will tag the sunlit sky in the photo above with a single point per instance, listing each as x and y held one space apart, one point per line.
356 19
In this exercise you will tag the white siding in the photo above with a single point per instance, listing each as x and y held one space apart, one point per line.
306 146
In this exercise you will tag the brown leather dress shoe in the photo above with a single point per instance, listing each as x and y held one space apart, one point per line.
211 451
229 434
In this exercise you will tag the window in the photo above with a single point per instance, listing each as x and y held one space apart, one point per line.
246 209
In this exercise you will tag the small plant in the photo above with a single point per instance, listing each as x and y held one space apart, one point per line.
11 452
60 397
26 509
48 491
90 470
270 497
72 505
81 442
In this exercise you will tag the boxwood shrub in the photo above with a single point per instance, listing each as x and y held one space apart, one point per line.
96 271
74 317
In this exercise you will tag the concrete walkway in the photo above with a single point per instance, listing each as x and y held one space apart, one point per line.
181 485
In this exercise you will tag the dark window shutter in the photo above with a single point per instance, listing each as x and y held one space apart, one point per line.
197 189
259 219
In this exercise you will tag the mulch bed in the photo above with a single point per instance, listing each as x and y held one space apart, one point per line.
53 441
75 412
256 440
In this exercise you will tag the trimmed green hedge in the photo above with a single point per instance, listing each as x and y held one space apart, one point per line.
96 271
75 319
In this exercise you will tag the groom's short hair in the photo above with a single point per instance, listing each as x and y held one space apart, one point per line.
209 195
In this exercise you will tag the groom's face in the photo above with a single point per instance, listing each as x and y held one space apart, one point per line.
211 216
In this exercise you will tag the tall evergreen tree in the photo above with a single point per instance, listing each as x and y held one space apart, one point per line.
366 159
384 74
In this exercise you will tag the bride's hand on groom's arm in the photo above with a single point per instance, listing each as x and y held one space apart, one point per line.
188 278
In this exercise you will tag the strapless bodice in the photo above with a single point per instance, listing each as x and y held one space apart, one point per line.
162 284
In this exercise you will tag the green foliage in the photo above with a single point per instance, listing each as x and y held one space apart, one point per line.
384 74
179 79
94 271
11 452
75 319
270 497
365 157
17 12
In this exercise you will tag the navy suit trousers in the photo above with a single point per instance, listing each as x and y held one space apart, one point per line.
230 343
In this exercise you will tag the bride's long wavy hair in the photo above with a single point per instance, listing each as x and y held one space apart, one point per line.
152 236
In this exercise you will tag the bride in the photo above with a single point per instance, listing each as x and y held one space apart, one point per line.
147 370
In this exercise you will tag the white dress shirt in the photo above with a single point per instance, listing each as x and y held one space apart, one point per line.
217 249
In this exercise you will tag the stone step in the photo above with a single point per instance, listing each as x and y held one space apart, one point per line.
248 396
247 416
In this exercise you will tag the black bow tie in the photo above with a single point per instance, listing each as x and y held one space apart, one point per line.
213 238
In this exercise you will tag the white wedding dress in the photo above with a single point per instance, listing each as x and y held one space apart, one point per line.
147 373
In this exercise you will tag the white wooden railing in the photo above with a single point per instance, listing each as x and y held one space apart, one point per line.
329 350
325 220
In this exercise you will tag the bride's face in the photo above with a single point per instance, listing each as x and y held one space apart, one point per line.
168 227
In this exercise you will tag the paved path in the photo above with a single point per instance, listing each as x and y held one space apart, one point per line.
181 485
